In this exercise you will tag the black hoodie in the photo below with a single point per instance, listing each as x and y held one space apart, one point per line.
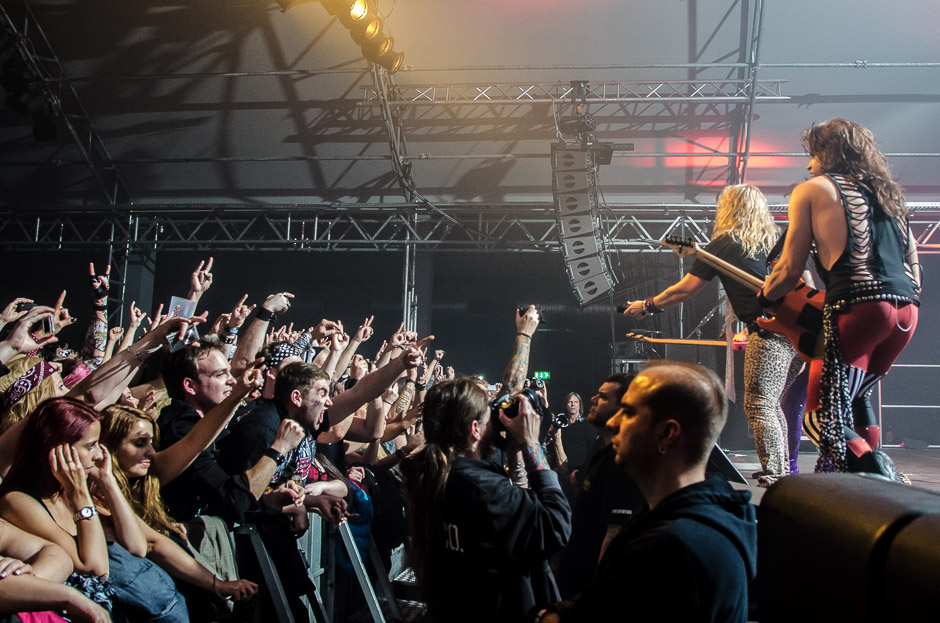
688 559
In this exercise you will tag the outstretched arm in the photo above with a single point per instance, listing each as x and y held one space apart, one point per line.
526 323
679 292
171 462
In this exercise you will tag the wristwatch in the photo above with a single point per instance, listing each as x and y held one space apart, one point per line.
86 512
276 456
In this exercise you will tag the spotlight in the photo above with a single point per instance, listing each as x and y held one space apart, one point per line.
576 126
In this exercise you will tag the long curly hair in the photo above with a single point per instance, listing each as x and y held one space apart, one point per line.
143 493
847 148
449 409
742 213
54 422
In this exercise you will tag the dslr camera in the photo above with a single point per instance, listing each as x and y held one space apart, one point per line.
509 404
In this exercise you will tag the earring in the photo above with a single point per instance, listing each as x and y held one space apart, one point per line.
662 450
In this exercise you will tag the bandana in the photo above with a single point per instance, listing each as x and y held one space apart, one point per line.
279 353
76 375
32 378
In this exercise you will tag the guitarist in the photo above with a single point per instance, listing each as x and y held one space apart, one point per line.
743 234
853 211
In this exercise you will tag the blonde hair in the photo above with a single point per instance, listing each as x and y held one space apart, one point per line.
742 213
143 494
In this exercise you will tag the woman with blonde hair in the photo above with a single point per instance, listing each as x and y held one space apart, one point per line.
131 436
744 232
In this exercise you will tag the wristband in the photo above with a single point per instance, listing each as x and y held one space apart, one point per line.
524 335
420 386
275 456
231 330
264 315
100 307
650 307
401 452
411 381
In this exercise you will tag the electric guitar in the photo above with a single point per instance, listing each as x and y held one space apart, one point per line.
798 316
639 337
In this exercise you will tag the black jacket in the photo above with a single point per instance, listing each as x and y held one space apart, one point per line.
494 563
204 488
688 559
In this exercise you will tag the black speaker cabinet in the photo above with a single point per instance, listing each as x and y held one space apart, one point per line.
839 547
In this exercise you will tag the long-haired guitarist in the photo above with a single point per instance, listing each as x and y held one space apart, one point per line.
744 232
853 211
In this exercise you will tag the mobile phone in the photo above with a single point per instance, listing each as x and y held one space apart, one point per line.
24 306
49 325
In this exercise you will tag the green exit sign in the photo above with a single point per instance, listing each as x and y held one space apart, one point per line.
545 375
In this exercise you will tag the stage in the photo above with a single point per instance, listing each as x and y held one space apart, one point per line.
922 466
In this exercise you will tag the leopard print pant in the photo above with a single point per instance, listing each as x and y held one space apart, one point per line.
770 366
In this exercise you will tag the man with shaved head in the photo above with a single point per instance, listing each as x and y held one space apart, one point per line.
691 555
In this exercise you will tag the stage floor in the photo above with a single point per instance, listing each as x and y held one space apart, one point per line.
921 466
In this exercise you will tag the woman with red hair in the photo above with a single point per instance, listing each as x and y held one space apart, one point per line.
47 493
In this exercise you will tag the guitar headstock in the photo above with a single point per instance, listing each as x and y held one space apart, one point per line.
639 337
683 247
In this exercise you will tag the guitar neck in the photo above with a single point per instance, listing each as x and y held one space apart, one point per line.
688 342
742 277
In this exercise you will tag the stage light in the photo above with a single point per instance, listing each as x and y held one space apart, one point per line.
576 126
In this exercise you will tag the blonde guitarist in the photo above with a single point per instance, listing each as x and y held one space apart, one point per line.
743 234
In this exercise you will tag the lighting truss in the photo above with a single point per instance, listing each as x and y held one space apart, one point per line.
524 227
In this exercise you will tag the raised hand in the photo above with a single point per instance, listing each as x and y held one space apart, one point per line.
325 328
201 279
12 313
115 334
365 330
20 339
278 303
398 337
289 435
137 317
240 313
61 317
411 356
100 284
527 321
338 341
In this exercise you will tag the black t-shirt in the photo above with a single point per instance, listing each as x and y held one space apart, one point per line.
742 298
607 497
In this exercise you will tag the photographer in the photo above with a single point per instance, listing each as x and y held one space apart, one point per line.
479 545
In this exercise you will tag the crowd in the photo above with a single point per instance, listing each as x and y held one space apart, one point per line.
127 463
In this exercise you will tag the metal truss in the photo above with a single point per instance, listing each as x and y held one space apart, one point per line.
595 92
43 64
530 227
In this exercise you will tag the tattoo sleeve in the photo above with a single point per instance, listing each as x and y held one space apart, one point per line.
518 366
534 457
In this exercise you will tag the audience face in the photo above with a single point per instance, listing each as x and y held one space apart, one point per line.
573 406
313 403
89 451
604 404
135 452
635 428
214 381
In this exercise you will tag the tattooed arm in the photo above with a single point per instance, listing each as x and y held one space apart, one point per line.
526 323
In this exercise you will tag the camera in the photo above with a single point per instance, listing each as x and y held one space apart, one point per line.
536 383
561 420
509 404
